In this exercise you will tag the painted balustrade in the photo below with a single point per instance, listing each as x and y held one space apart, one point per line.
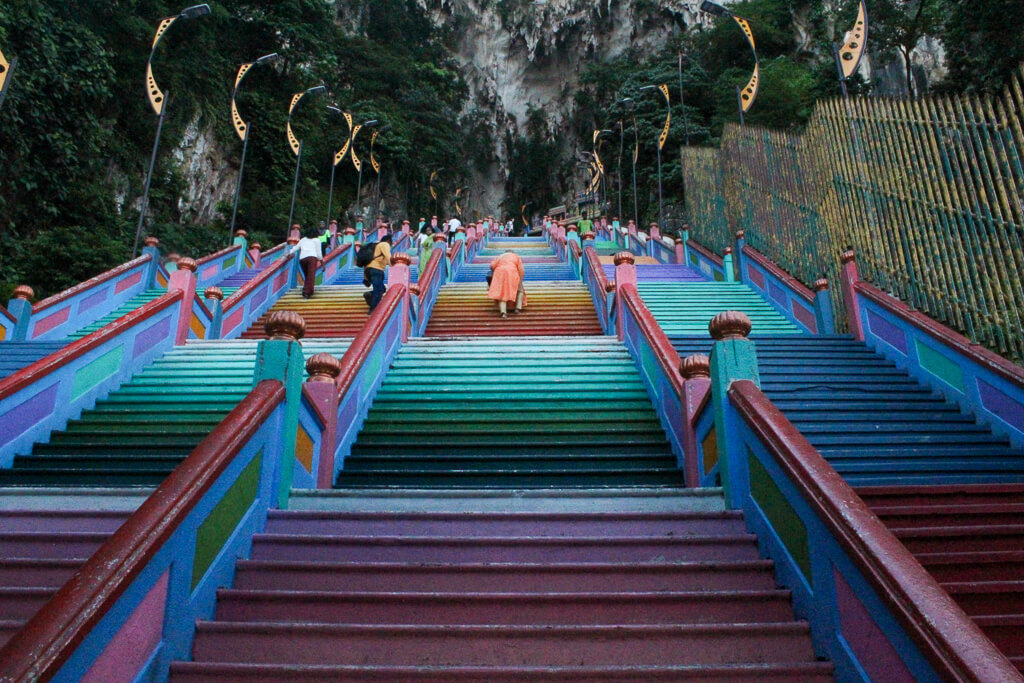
429 286
979 380
338 395
602 292
456 258
8 323
132 607
660 251
254 298
576 258
65 313
219 265
43 396
874 611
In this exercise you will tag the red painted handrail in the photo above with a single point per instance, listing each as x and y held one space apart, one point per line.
4 312
90 283
359 351
44 366
596 270
274 250
707 253
576 251
429 273
217 254
979 354
950 640
49 638
800 288
663 350
243 291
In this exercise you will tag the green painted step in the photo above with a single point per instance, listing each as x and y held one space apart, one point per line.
687 308
124 309
524 412
141 432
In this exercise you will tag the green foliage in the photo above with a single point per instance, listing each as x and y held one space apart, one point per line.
77 130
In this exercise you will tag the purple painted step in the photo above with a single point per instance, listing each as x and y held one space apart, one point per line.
811 672
455 595
39 552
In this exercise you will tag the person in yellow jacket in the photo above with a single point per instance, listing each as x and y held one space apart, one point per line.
376 269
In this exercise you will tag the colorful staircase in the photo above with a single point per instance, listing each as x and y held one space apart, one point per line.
646 272
15 356
124 309
332 312
686 309
550 412
139 433
642 586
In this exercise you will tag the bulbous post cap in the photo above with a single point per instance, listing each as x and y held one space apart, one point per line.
821 285
256 246
414 290
728 251
186 263
624 257
241 233
730 325
214 293
609 287
24 292
292 240
400 258
151 242
695 366
678 241
847 256
323 368
573 228
174 257
740 234
589 235
285 326
440 238
350 231
461 229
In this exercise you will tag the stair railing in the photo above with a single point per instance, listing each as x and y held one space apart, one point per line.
44 395
8 323
428 288
255 297
216 266
131 608
602 292
871 606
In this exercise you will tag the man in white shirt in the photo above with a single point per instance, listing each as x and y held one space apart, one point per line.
311 255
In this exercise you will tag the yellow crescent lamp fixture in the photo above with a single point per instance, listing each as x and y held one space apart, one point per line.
6 70
158 100
747 94
848 56
359 164
296 144
662 137
242 128
338 156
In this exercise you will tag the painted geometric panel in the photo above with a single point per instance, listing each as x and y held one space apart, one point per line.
304 449
940 366
96 372
783 518
217 528
873 650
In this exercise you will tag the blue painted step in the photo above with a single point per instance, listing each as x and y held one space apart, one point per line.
15 356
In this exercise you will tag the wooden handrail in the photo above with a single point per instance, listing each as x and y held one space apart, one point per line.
90 283
50 637
950 640
663 350
243 291
44 366
361 346
979 354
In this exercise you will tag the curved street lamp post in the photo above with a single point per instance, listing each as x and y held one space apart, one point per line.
358 162
242 127
158 100
636 154
297 144
339 156
661 143
744 97
6 72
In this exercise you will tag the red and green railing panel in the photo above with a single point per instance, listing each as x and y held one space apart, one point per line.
240 310
338 396
8 323
602 292
44 395
219 265
979 380
427 289
874 611
131 609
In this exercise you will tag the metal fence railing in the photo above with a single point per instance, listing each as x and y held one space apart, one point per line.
929 193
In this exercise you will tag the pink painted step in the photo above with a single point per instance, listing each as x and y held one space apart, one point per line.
505 549
273 643
809 672
466 525
511 608
47 521
635 577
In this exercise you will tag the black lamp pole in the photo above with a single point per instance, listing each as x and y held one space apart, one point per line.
242 128
297 145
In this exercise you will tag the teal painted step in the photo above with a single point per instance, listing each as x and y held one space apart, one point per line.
124 309
141 432
512 413
686 309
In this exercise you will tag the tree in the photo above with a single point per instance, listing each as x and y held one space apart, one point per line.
897 26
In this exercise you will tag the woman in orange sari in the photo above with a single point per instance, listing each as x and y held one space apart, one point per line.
507 282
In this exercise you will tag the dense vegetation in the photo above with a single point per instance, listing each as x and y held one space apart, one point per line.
982 42
76 130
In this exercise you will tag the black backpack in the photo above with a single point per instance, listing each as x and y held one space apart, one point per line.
365 254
